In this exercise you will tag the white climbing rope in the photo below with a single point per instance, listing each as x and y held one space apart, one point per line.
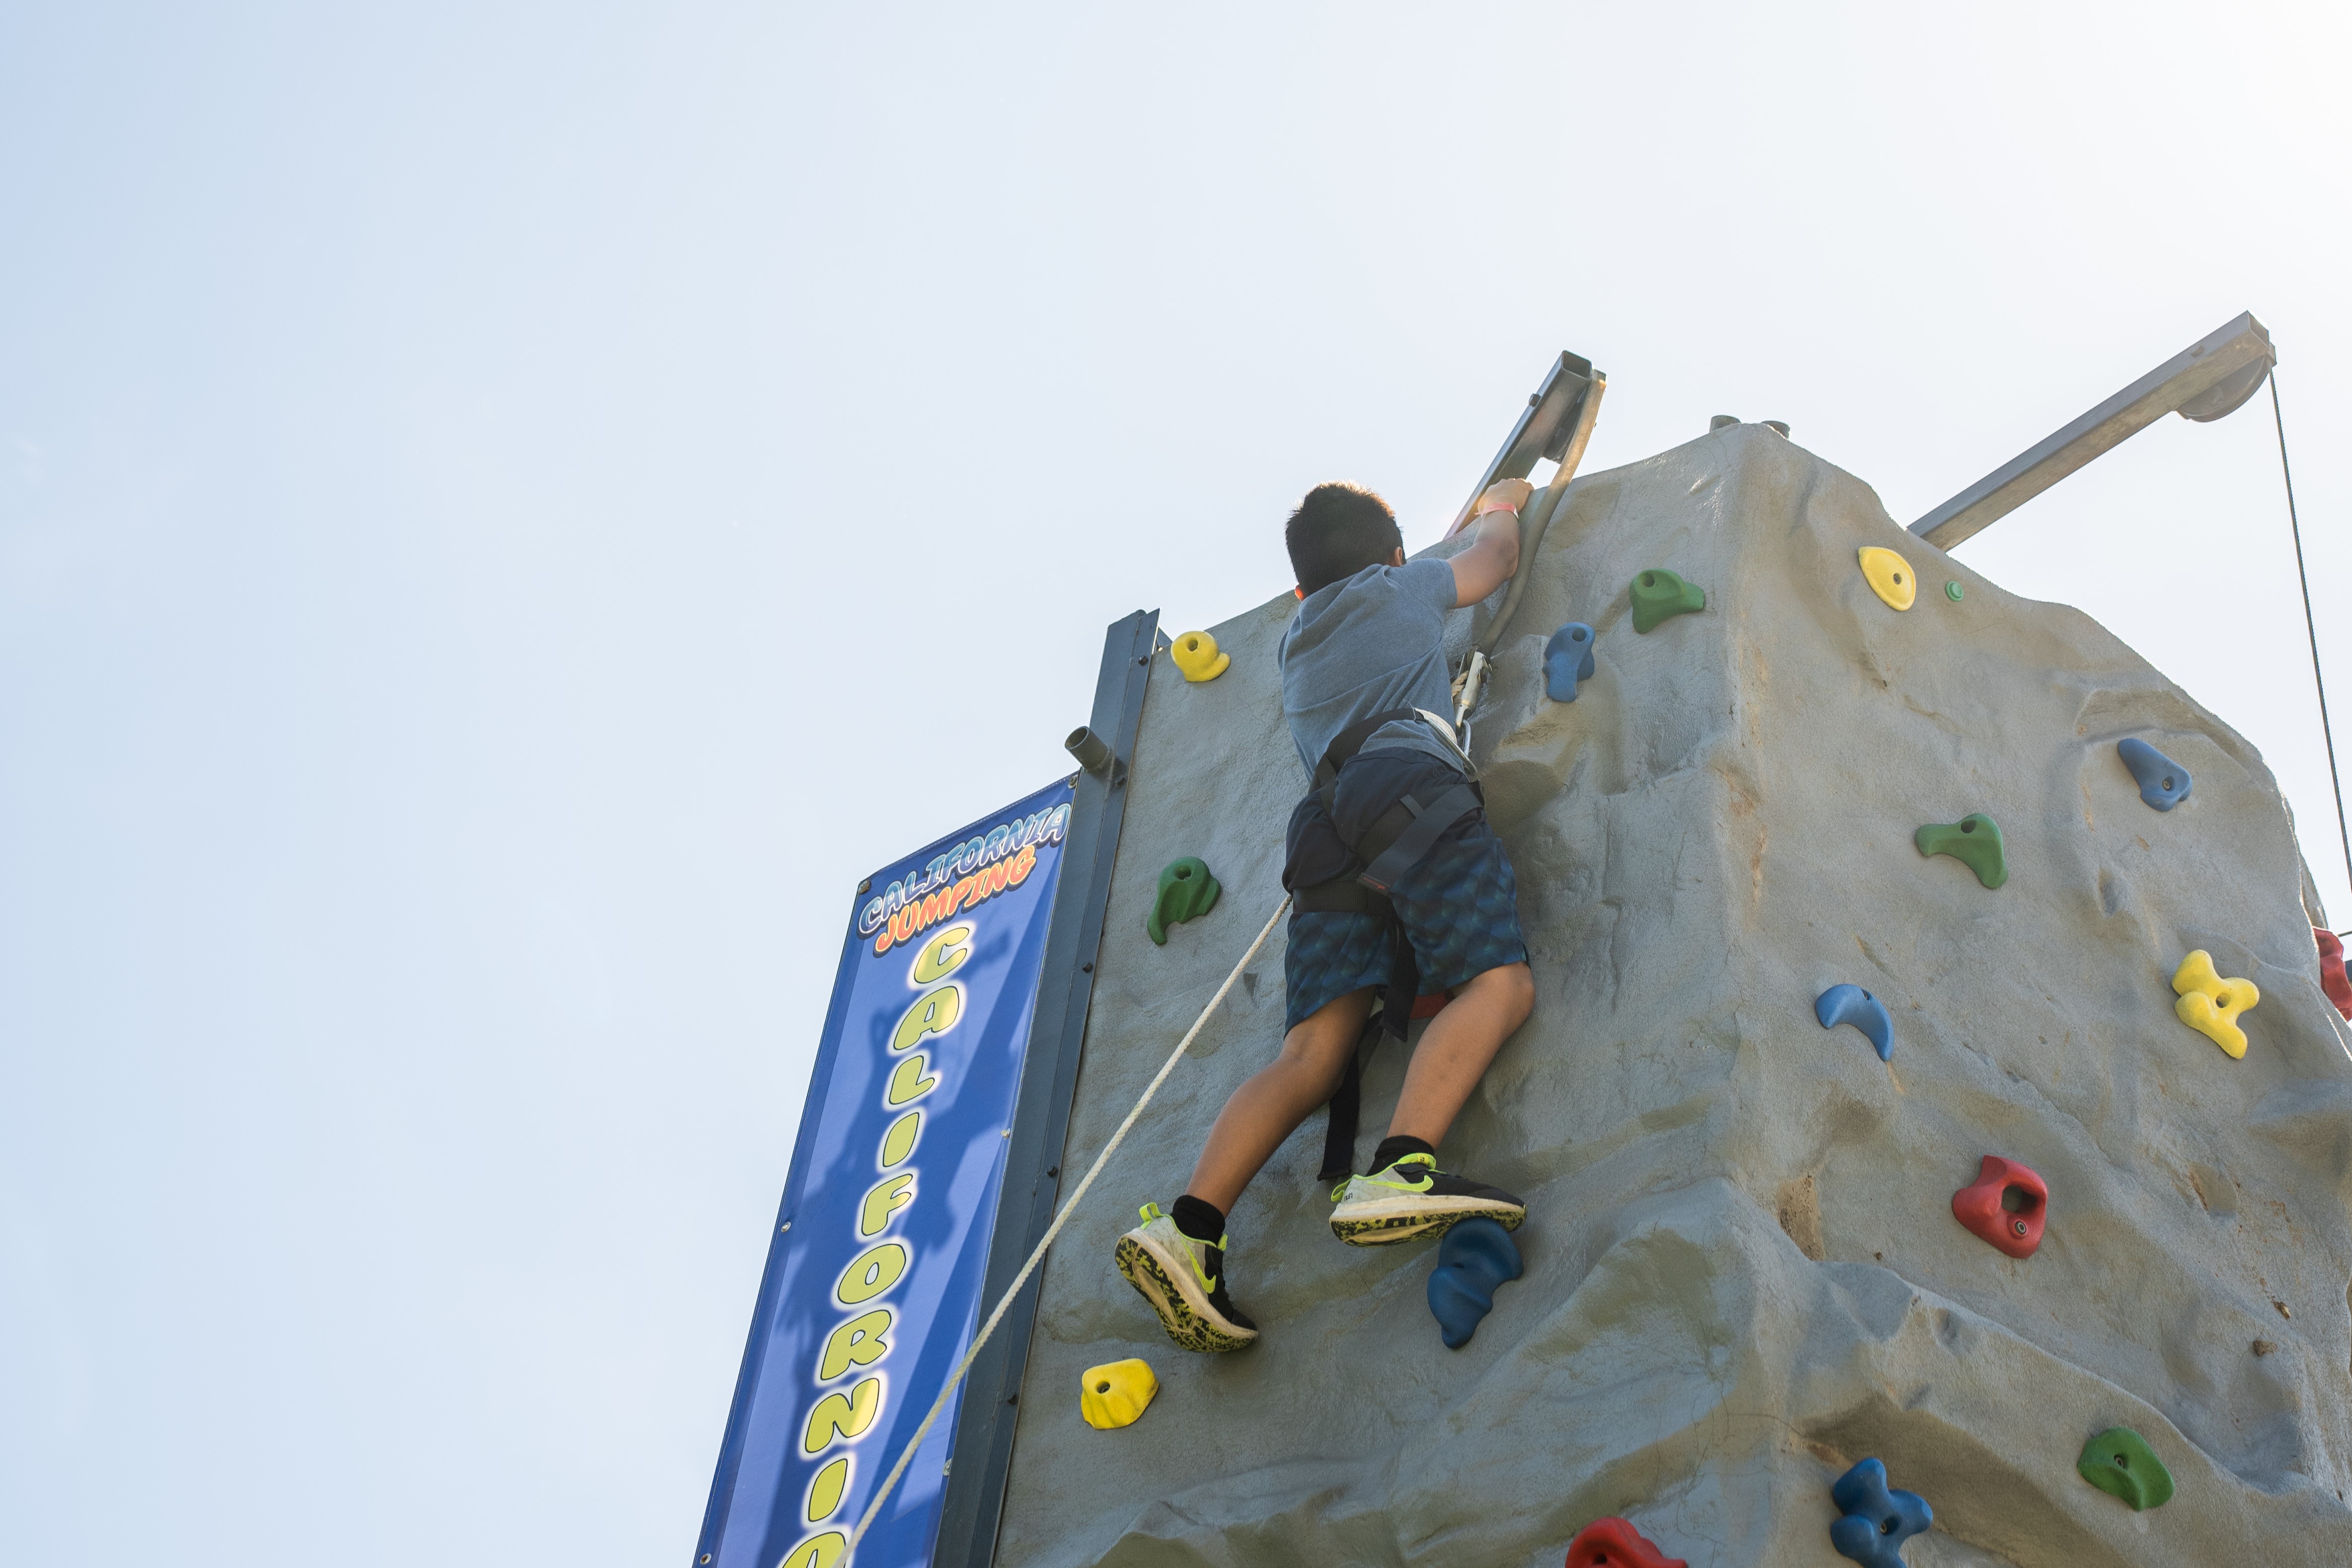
1053 1230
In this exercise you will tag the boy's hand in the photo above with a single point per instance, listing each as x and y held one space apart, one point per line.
1511 493
1493 552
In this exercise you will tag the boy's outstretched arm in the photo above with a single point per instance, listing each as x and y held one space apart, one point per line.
1493 552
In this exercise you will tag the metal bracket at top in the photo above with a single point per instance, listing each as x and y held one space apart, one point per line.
1556 427
2205 381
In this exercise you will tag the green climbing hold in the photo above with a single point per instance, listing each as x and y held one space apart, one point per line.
2119 1462
1974 840
1659 594
1952 591
1187 891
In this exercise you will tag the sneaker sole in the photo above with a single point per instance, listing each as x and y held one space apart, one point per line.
1386 1222
1191 1327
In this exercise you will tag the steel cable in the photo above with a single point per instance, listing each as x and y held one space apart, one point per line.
2311 627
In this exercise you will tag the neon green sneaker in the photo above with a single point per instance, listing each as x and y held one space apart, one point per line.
1413 1198
1183 1280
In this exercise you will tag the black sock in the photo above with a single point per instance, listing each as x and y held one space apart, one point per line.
1394 1148
1200 1221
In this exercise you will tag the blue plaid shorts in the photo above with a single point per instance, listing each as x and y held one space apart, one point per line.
1460 910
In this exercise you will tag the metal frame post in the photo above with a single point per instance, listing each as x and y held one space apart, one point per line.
983 1454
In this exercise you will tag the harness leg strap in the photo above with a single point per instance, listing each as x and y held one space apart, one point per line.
1415 841
1347 1104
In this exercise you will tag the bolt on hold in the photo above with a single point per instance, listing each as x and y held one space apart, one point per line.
1974 840
1889 575
2163 783
2209 1004
2006 1206
2120 1463
1876 1519
1845 1004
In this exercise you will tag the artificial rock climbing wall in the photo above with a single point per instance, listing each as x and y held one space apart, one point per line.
1743 1271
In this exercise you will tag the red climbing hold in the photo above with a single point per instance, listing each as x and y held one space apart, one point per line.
1985 1205
2332 978
1614 1543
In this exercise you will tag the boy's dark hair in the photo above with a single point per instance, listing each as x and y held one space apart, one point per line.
1339 530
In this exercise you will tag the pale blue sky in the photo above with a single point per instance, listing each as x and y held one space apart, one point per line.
508 511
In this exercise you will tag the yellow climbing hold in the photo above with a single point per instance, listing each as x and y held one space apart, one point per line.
1889 576
1196 654
1115 1393
2209 1004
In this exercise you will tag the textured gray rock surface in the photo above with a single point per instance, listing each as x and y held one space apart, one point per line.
1743 1273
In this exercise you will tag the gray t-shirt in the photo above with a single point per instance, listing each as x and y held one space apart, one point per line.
1363 645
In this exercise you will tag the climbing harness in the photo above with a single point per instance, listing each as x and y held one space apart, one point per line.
1395 842
996 1314
2311 627
1400 836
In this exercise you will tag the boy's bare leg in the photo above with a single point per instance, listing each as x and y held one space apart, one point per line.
1269 1107
1455 1050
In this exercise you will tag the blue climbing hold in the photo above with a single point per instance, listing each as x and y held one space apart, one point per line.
1476 1256
1877 1521
1852 1004
1567 659
2163 783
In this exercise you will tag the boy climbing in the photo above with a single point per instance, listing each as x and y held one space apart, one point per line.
1401 889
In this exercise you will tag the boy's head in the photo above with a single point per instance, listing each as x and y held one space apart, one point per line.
1339 530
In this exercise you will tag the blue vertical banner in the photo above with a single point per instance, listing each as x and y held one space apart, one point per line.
872 1290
